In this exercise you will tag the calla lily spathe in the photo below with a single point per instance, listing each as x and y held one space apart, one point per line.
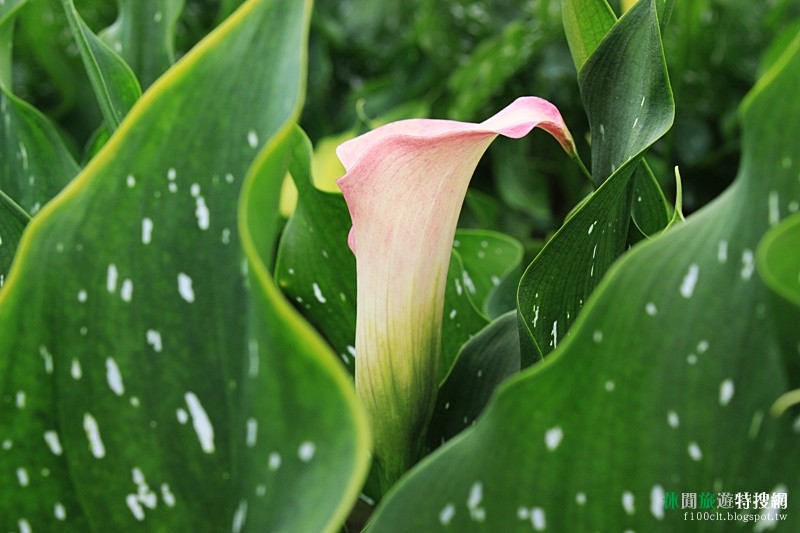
404 185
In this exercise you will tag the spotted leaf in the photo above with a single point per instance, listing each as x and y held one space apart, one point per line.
144 387
678 364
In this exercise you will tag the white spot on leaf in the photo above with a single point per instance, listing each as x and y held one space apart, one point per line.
53 442
673 420
126 291
552 438
252 432
114 377
694 451
446 514
239 517
306 451
252 138
726 391
93 434
690 280
22 477
154 340
538 519
111 278
748 264
167 496
185 287
202 213
147 231
318 294
274 461
476 512
75 369
628 502
657 502
200 422
722 251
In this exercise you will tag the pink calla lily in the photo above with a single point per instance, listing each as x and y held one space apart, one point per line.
405 185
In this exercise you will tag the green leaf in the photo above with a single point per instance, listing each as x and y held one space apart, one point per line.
650 213
141 391
317 235
7 8
336 437
678 367
489 258
778 257
586 23
12 222
461 318
626 92
778 264
626 118
144 35
34 163
113 81
490 357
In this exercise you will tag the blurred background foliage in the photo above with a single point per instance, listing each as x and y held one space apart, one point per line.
374 61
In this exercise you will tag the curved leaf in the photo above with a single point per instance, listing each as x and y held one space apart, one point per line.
144 35
310 458
626 118
586 23
678 366
650 211
35 164
484 362
489 258
113 81
132 398
12 222
778 260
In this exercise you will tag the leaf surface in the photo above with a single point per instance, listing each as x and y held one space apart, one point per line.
12 222
678 367
586 23
143 389
144 35
625 118
113 81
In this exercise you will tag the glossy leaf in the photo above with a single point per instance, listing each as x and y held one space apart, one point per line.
144 35
12 222
488 359
650 212
586 23
317 235
625 121
132 395
113 81
34 163
678 367
309 455
778 257
778 264
489 257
